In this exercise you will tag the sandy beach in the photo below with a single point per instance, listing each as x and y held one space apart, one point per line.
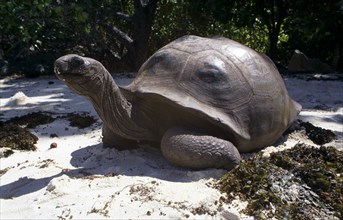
79 179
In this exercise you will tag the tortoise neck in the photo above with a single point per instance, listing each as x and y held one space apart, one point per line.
115 110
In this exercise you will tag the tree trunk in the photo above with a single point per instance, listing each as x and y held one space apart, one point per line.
336 56
137 45
273 33
143 19
274 19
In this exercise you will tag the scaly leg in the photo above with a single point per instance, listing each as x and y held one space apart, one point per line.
191 149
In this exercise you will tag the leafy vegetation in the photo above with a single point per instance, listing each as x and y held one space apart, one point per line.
122 34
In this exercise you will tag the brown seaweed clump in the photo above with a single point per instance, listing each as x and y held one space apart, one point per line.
80 120
32 120
300 183
15 134
316 134
17 138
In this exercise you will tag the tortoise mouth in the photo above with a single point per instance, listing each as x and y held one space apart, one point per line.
65 75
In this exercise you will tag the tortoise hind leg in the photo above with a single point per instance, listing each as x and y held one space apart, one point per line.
191 149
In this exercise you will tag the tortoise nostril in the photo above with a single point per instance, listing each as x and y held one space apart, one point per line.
60 66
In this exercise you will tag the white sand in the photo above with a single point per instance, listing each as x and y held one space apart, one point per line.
82 180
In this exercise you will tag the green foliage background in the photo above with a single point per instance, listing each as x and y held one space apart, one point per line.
36 32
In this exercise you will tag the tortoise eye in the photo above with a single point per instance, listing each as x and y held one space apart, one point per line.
76 62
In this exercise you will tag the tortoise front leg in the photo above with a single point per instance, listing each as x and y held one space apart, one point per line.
191 149
112 140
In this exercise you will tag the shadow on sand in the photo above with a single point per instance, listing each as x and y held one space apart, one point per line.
96 160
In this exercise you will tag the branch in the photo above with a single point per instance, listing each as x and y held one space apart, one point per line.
124 16
120 35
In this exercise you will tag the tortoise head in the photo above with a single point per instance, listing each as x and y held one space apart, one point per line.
81 74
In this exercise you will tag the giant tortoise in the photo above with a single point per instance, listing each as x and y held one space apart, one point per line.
203 101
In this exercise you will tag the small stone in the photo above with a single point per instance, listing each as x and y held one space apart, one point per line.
53 145
53 135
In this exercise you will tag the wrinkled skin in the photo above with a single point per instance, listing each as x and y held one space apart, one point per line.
201 100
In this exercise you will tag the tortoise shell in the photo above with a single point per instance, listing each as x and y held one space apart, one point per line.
231 86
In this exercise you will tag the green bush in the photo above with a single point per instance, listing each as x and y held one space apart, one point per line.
34 33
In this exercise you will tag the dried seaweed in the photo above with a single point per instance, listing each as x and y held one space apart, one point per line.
300 183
